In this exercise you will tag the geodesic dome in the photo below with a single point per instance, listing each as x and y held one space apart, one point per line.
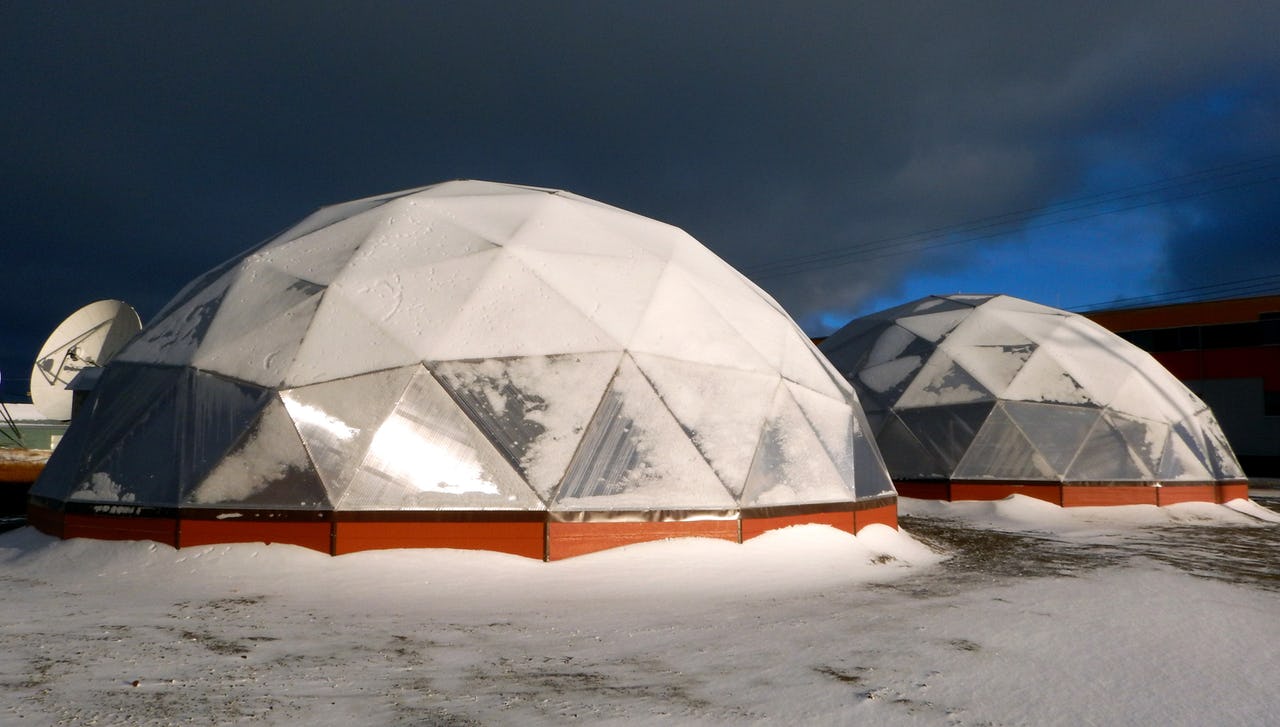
469 364
966 388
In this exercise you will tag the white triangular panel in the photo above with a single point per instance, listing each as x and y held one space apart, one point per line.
321 255
723 410
681 323
344 342
418 306
513 312
933 326
614 292
791 465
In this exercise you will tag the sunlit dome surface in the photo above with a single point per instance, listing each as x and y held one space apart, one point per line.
973 387
470 346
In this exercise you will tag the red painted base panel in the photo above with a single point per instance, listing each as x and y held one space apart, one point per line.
1082 495
537 539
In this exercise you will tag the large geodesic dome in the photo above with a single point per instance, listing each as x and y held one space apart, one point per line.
978 396
467 365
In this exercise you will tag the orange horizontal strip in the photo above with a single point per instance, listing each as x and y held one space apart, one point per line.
115 527
1229 491
1171 495
753 527
517 538
314 535
565 540
1000 490
1090 496
883 515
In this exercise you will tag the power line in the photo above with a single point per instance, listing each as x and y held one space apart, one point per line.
1243 287
1003 224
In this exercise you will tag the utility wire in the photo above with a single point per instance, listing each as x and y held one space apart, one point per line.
1261 285
1003 224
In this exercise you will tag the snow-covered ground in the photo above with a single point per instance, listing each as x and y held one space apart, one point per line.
1030 615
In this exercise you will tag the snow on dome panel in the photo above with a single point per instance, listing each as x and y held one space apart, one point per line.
1080 401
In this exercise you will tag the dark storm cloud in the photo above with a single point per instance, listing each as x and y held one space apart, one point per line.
143 143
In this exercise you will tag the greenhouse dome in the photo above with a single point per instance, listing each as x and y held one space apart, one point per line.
981 396
471 365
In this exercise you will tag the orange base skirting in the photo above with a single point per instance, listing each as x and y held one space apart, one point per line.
1077 495
529 538
565 540
517 538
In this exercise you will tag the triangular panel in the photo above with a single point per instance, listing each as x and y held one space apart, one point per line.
213 413
614 292
1057 432
512 312
337 420
1183 459
1105 457
934 326
320 255
533 409
634 456
344 342
791 465
1001 451
722 410
904 455
427 455
140 467
1043 379
268 468
947 430
681 323
941 381
1146 438
259 342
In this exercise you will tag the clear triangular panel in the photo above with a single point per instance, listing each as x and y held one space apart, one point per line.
140 467
1146 438
1221 458
884 383
1183 458
338 419
1105 457
268 468
947 431
1057 432
721 410
428 455
533 409
904 455
1001 451
122 399
634 455
791 465
846 435
850 348
213 413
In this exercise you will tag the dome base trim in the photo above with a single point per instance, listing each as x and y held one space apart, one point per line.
1078 494
529 534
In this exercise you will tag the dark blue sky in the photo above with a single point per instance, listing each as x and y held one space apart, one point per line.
1072 155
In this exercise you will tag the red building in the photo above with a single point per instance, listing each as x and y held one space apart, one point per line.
1228 353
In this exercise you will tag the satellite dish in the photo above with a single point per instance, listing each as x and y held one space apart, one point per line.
87 338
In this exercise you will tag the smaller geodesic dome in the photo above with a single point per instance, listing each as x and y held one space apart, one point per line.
978 396
469 365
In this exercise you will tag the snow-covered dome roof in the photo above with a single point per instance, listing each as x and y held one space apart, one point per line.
994 387
471 346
